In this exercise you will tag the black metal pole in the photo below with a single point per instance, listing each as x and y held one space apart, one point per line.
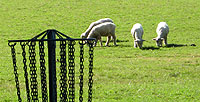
52 66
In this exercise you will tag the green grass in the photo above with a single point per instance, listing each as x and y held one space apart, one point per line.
122 73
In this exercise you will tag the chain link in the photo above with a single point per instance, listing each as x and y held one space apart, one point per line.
63 74
67 83
91 49
71 73
15 69
81 71
23 45
43 72
33 69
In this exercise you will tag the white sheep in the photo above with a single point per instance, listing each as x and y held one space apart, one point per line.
85 34
162 32
103 29
137 33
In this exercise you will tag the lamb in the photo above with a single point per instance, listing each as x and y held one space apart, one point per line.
85 34
103 29
162 32
137 33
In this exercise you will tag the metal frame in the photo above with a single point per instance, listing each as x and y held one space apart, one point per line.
51 40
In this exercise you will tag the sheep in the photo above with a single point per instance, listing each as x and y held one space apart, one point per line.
103 29
85 34
137 33
162 32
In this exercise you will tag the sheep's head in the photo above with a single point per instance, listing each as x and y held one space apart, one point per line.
139 42
158 41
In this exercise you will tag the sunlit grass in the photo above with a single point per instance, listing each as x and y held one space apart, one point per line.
121 73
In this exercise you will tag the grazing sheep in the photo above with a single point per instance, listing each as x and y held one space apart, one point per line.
85 34
162 32
103 29
137 32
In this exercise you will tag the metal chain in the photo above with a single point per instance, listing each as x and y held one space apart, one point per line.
43 72
71 73
15 69
67 86
33 69
81 71
91 49
63 73
23 45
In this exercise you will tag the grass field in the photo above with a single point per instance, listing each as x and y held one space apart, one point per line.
122 73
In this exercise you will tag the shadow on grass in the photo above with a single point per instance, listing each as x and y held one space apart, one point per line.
180 45
122 40
111 45
146 48
150 48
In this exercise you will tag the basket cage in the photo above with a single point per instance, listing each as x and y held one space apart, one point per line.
58 79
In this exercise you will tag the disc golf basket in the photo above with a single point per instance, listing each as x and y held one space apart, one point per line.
49 39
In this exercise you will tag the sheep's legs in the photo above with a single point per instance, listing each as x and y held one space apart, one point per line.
135 44
114 40
108 40
100 42
95 43
165 41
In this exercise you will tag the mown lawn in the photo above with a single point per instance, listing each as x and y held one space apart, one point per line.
121 73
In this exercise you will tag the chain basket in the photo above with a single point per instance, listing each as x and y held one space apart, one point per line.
35 71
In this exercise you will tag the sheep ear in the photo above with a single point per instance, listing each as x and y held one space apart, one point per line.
143 40
154 39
